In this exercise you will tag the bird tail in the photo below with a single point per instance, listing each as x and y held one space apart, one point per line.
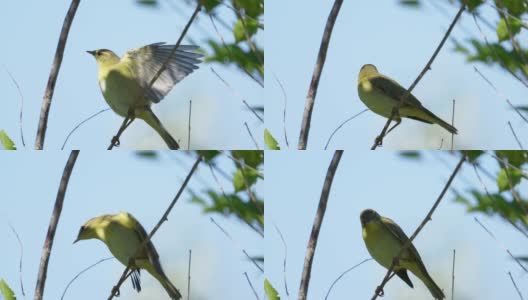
432 118
151 119
170 288
446 125
435 290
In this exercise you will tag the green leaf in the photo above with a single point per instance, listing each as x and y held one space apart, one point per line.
147 154
410 154
6 291
6 142
270 141
239 30
516 158
150 3
240 183
502 29
411 3
503 182
271 292
251 158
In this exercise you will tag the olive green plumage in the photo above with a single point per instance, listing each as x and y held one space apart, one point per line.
380 94
123 235
384 240
124 80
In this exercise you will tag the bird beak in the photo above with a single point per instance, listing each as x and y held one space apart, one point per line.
76 240
91 52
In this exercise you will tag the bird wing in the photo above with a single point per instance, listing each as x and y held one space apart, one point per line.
400 235
146 61
393 89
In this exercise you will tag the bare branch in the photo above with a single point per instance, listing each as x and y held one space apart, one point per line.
318 221
515 136
79 125
318 69
251 285
54 221
238 245
54 73
341 125
515 285
343 274
501 245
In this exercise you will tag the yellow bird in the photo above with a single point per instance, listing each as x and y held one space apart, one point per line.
123 80
123 235
384 240
380 94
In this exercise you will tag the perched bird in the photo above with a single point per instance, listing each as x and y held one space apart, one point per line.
124 80
380 94
384 240
123 235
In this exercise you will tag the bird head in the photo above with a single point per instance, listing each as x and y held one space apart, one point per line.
369 215
90 229
104 57
367 71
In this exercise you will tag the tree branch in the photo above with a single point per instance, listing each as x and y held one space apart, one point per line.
312 243
318 69
54 221
55 67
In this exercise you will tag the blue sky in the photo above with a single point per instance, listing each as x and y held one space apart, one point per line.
103 183
399 41
403 190
30 31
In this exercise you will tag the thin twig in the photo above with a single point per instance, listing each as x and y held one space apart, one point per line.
420 227
238 95
316 227
453 124
515 285
453 277
238 245
54 73
341 125
318 69
52 228
20 260
251 285
20 117
343 274
500 94
501 245
395 110
189 128
285 97
515 136
189 276
163 218
161 69
251 135
285 259
80 273
79 125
